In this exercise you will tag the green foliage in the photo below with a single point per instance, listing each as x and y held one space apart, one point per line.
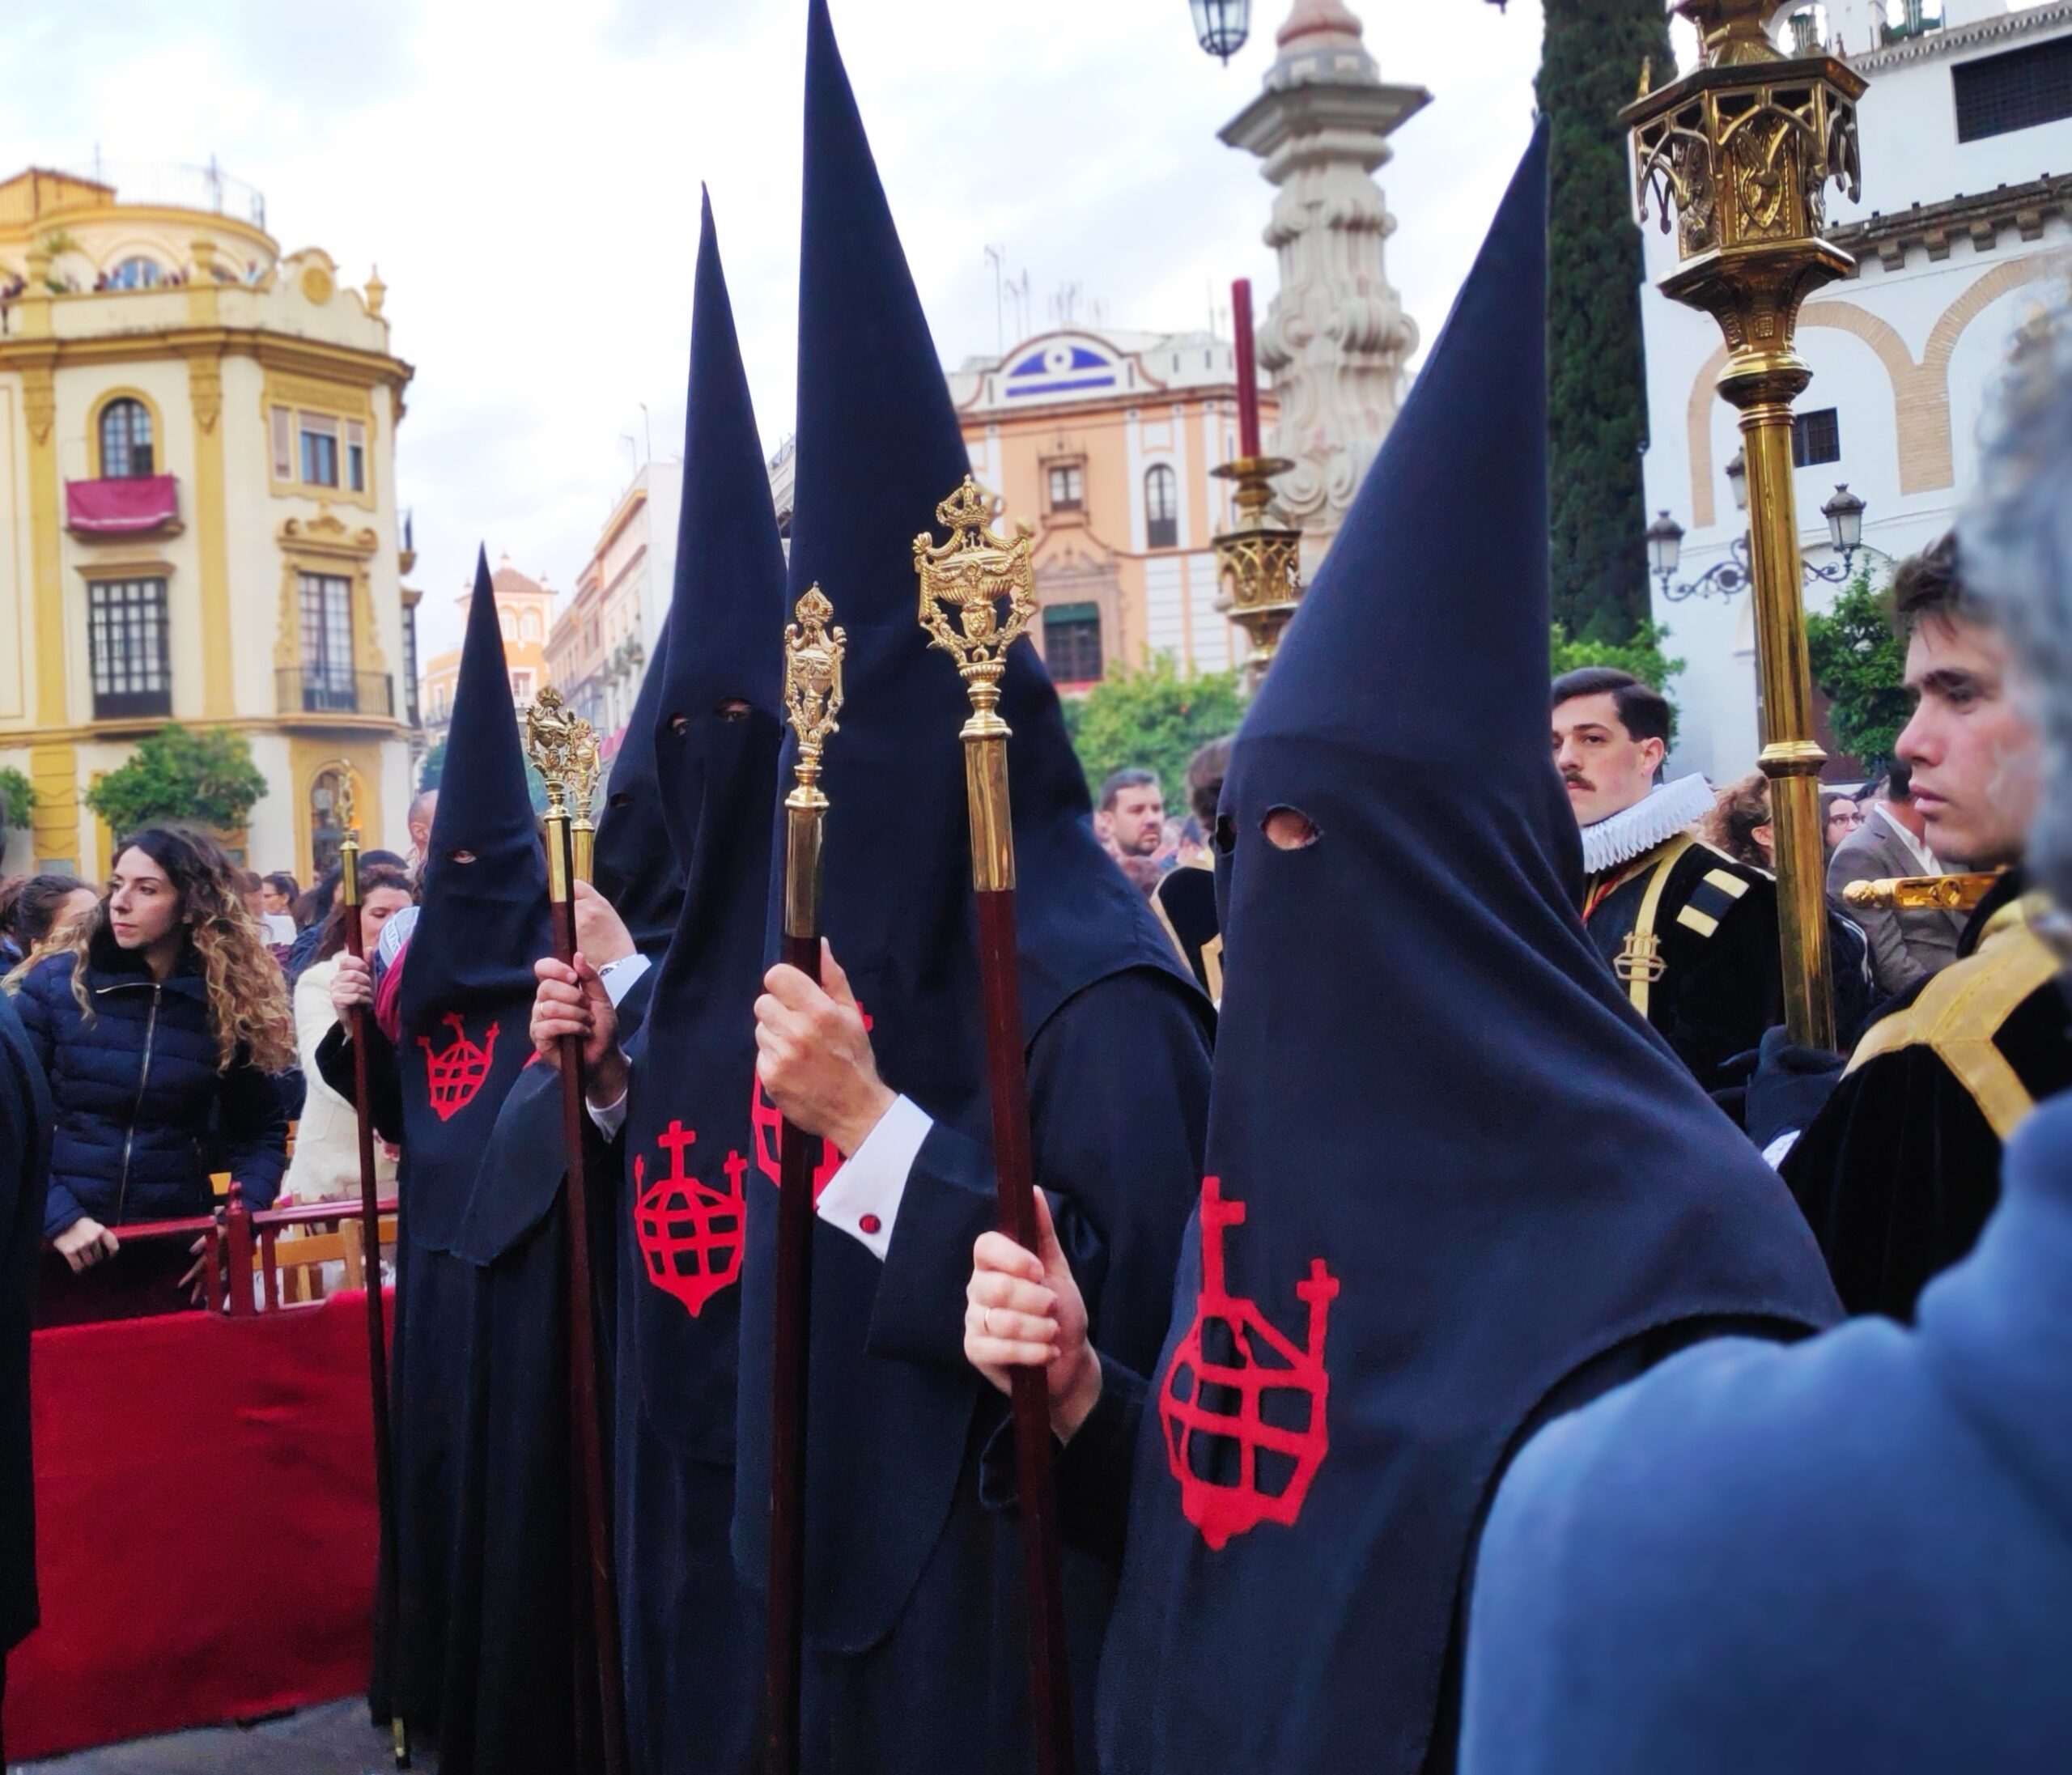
17 797
1860 663
1642 655
1153 719
1589 66
204 778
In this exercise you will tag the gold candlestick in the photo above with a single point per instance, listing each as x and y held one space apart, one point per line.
1738 154
1258 563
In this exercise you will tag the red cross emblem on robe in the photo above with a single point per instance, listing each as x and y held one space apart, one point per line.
1242 1406
690 1234
456 1071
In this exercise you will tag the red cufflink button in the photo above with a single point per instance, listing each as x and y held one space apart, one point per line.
870 1223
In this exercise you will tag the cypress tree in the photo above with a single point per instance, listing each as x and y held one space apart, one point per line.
1589 66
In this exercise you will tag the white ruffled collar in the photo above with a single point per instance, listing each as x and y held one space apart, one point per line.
1633 831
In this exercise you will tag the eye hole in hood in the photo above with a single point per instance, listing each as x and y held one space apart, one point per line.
1289 828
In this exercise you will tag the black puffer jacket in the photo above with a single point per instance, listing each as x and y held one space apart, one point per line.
144 1115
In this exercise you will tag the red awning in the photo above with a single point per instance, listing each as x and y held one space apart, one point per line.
127 507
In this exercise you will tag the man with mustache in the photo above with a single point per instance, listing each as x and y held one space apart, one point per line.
1690 933
1900 1169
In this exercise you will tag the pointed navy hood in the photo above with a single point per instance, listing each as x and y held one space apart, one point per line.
878 449
1448 1166
468 974
636 867
690 1146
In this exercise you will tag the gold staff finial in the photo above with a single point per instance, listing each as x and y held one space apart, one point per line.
584 767
813 690
967 578
562 748
812 698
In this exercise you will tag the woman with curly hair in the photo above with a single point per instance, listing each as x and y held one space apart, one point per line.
158 1026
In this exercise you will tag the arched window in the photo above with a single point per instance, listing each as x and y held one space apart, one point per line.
528 625
1161 506
126 441
138 273
325 831
509 625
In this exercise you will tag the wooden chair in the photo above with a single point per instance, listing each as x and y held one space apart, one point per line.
293 1260
356 1248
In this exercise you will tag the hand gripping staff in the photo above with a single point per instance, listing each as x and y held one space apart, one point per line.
812 698
964 581
370 1227
563 749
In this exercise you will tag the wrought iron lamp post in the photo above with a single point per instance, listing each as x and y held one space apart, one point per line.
1738 155
1731 577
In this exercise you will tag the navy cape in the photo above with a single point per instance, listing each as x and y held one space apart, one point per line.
914 1612
27 1121
467 994
1448 1168
1852 1554
692 1632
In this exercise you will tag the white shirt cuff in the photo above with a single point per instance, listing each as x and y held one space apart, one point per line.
611 1117
1779 1150
618 978
863 1197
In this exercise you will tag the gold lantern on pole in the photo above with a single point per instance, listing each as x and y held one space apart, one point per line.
1737 155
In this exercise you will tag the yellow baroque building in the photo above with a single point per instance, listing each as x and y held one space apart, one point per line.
197 511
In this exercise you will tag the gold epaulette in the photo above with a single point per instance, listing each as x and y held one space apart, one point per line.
1960 1010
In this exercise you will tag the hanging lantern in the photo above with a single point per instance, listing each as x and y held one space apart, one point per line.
1222 26
1665 541
1845 516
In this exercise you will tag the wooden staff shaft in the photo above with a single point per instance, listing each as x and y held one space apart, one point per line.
585 1382
791 1342
1007 1072
377 1329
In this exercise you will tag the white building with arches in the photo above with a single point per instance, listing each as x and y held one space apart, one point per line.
1964 228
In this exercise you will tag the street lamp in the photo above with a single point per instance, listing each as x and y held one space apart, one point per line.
1737 155
1221 26
1731 575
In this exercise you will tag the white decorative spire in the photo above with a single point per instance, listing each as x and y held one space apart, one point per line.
1335 337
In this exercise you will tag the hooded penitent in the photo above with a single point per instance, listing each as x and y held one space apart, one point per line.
637 867
900 1579
518 1635
692 1634
1448 1167
467 997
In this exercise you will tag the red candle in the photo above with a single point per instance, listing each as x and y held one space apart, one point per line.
1248 374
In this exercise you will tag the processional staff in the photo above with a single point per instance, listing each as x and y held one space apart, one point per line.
563 749
967 578
370 1223
812 698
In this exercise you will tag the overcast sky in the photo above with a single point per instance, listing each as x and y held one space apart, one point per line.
525 174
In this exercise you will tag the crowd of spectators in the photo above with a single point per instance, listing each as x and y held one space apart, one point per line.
176 1011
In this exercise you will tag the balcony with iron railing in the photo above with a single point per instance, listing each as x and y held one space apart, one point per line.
314 689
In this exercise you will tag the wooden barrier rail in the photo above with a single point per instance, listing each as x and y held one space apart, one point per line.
233 1230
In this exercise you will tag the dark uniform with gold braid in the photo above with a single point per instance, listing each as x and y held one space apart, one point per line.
1901 1167
1185 902
1693 935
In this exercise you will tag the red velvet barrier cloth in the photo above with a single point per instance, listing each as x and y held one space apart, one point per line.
131 507
205 1527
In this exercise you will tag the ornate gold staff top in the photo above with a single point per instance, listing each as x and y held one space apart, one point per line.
812 698
349 845
967 578
583 768
562 747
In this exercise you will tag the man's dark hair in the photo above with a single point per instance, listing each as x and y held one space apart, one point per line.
1897 781
1643 710
1206 771
1929 586
1128 778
